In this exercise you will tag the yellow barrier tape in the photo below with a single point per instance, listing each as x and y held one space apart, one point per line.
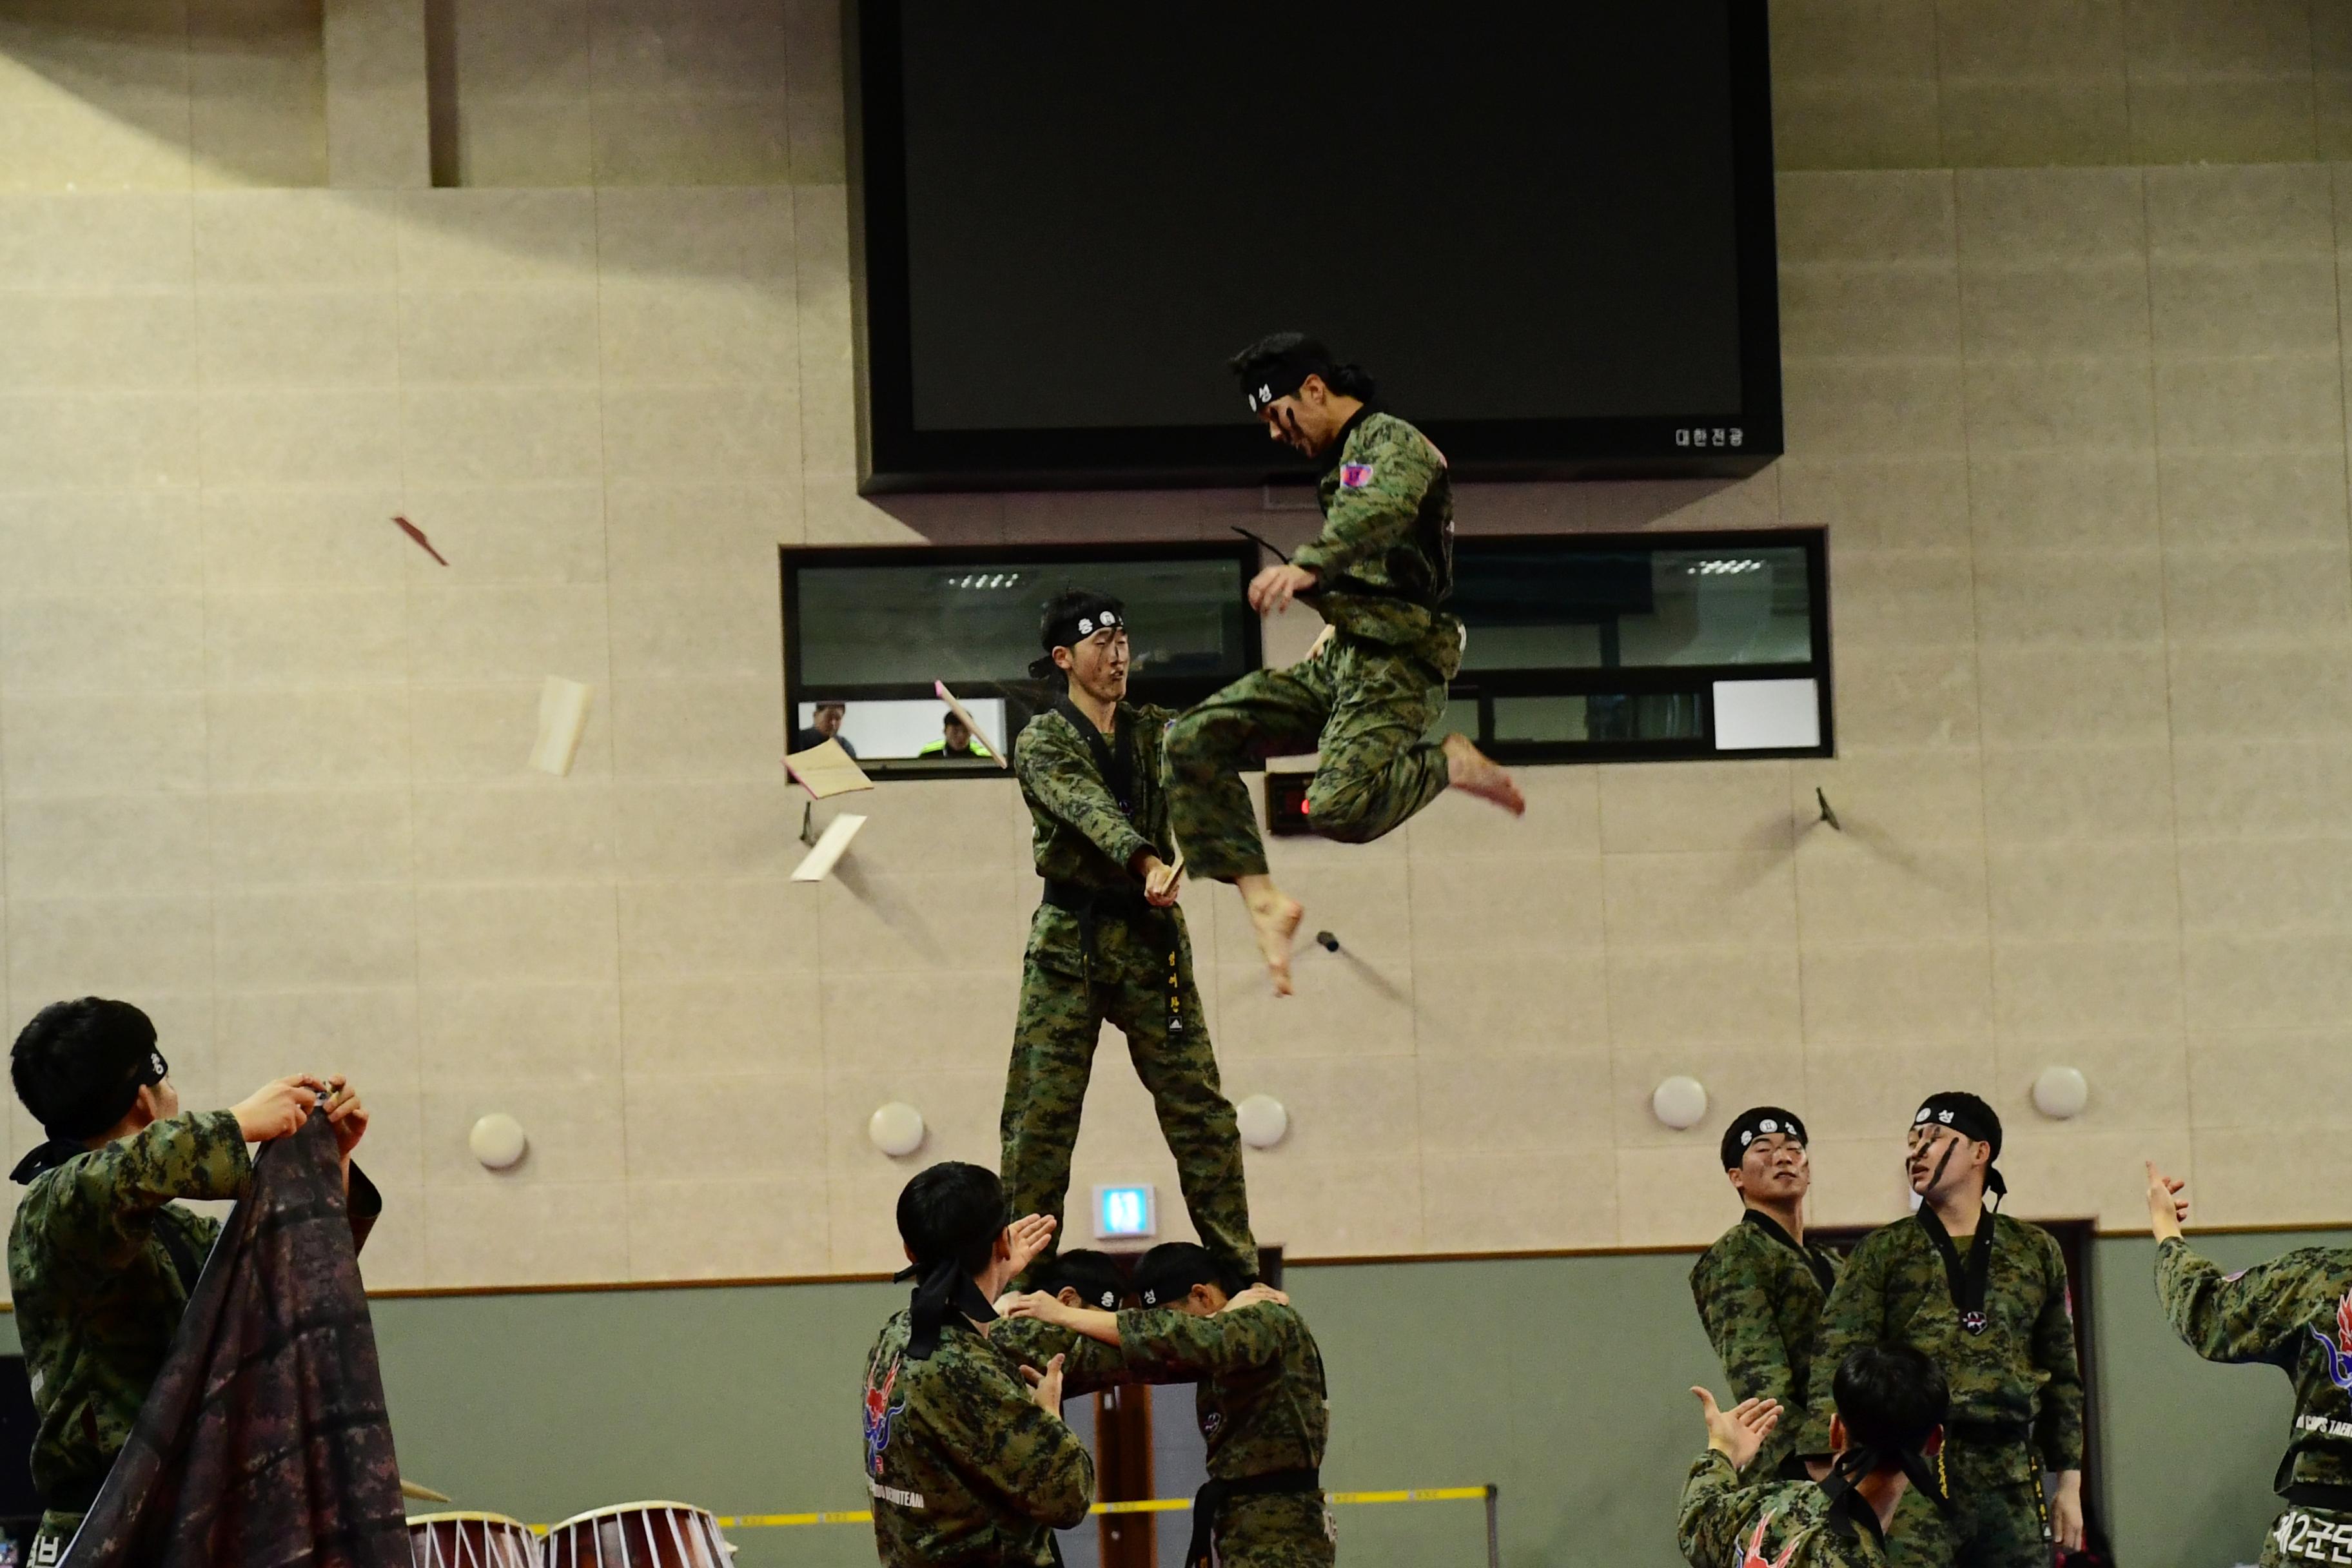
1141 1505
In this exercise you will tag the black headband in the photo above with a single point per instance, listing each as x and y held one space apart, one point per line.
1276 376
1859 1461
1759 1122
1171 1278
1972 1118
942 1286
114 1091
1081 618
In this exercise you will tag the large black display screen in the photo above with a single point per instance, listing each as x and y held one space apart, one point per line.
1547 230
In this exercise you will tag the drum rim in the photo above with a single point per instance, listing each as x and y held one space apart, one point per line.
647 1506
466 1516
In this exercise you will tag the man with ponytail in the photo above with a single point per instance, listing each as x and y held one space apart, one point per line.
967 1456
1985 1297
1368 694
1887 1427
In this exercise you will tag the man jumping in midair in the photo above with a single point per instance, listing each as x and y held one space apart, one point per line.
1366 695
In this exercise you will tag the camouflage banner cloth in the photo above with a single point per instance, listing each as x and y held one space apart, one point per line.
2294 1312
1369 699
1760 1296
965 1470
1776 1524
264 1439
1083 840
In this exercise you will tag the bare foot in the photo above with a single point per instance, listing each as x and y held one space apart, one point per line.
1273 920
1470 769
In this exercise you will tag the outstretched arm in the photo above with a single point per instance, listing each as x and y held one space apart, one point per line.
1737 1312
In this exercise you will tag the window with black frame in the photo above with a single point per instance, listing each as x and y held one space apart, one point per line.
868 632
1594 647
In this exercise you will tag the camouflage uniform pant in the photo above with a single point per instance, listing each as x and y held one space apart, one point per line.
1998 1518
1292 1531
1062 1015
1365 705
2307 1535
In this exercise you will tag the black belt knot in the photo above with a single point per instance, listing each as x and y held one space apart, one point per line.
1210 1499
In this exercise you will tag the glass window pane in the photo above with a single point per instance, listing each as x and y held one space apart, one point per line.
921 622
1651 716
1547 605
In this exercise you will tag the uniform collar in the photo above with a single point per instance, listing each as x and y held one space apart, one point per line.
1772 1229
1338 447
1851 1517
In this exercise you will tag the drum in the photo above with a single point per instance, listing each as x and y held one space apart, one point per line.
471 1541
639 1535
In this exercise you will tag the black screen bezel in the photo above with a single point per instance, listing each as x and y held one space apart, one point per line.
894 456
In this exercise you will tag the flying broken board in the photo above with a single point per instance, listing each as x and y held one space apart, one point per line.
827 770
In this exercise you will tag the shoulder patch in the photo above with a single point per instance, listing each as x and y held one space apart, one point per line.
1355 476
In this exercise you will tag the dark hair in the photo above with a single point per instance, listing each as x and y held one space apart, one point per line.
1890 1398
1093 1275
77 1065
952 1211
1167 1272
824 702
1298 351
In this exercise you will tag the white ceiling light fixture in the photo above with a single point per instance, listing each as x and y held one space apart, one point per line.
498 1141
2060 1093
1679 1102
1263 1120
897 1129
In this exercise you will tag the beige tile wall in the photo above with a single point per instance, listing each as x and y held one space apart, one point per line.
2078 433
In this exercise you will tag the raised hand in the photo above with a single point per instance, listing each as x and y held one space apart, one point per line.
1737 1433
1045 1387
346 1115
278 1108
2167 1210
1029 1236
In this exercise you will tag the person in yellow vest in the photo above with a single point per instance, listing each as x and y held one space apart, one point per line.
954 741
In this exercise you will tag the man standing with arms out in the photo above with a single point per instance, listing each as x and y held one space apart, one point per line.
967 1458
1760 1289
2294 1312
1985 1297
1261 1403
1107 939
1887 1422
1368 694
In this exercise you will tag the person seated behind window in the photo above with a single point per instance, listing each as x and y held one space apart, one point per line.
955 740
824 725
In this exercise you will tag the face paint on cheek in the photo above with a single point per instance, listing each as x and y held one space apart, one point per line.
1950 1148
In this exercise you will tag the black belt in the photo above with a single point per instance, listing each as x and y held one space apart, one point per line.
1210 1499
1990 1434
1091 904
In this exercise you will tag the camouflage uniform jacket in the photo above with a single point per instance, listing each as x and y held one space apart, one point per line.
2020 1370
1261 1402
964 1468
102 1261
1081 836
1088 1365
1780 1524
1384 560
2294 1312
1760 1296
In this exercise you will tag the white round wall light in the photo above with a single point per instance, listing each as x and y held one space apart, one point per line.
897 1129
498 1141
2060 1093
1264 1120
1680 1102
